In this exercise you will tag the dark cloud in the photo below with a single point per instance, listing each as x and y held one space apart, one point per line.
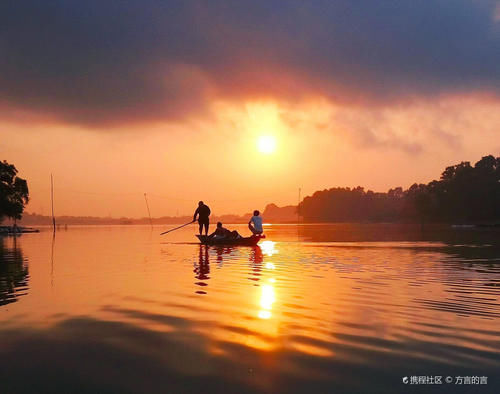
110 62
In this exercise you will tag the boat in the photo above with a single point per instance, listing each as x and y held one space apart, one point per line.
242 241
12 230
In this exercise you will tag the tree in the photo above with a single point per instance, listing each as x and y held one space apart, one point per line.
463 194
14 194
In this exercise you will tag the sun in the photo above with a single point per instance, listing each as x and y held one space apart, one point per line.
266 144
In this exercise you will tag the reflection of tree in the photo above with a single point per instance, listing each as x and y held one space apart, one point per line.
13 273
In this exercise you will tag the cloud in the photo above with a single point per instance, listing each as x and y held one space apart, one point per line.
496 15
452 124
373 129
100 63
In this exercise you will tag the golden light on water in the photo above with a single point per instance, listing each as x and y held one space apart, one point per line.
269 248
267 299
264 314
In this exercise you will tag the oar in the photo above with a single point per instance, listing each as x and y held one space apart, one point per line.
177 228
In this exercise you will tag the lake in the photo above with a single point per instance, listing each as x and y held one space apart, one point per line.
345 308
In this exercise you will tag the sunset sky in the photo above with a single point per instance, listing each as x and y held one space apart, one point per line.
241 103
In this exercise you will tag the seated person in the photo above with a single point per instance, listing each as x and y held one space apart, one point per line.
222 232
235 234
255 223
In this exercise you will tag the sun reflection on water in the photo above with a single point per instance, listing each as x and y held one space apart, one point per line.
309 309
267 299
268 247
267 296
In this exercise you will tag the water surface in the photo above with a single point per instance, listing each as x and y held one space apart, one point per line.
314 308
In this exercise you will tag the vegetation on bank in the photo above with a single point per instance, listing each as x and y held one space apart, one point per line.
272 214
463 194
14 194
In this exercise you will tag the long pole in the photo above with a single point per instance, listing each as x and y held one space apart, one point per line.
298 212
177 228
149 213
52 201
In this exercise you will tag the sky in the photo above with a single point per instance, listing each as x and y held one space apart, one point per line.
175 98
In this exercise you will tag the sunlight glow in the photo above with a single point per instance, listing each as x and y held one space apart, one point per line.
267 297
268 247
266 144
264 314
266 301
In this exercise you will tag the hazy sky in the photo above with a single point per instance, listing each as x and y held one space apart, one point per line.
119 98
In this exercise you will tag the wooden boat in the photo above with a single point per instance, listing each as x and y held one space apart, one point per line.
243 241
11 230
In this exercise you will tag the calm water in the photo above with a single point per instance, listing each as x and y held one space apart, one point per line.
330 308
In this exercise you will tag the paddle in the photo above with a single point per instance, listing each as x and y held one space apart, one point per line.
177 228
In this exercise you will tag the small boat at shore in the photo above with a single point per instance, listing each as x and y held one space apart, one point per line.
243 241
10 230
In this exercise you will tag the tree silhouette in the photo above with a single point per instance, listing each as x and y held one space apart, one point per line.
14 194
462 194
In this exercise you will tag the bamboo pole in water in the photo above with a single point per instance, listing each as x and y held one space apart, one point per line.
298 218
298 211
52 201
149 213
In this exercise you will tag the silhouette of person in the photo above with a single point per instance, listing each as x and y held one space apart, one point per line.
203 212
255 223
222 232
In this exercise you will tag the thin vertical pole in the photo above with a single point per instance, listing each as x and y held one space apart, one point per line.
52 201
149 213
298 211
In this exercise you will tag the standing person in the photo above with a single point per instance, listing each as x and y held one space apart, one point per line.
255 223
203 212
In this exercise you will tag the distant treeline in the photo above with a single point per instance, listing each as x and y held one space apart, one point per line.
33 219
271 214
463 194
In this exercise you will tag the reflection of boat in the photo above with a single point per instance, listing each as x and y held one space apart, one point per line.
244 241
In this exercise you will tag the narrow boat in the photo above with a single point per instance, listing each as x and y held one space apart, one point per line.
243 241
12 230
